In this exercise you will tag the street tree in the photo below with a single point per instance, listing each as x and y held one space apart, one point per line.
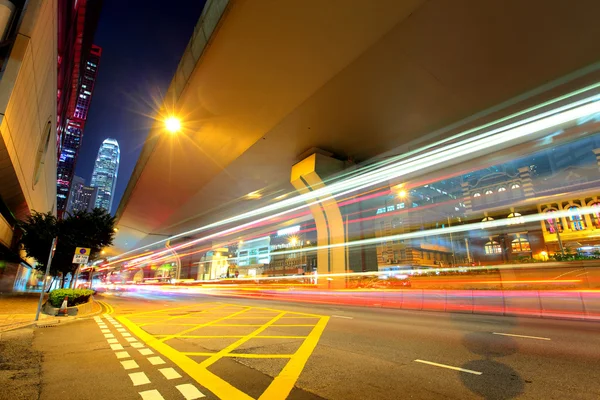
94 230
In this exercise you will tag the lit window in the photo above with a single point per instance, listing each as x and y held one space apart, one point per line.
501 189
477 195
493 247
515 218
575 219
489 191
520 245
596 214
515 186
552 223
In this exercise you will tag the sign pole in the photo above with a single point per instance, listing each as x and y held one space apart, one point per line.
39 307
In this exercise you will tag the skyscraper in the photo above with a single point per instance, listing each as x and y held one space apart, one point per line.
75 123
105 172
82 197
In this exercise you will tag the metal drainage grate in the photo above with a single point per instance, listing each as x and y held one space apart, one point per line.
48 324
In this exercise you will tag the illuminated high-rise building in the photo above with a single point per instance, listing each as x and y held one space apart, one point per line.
105 173
82 197
75 124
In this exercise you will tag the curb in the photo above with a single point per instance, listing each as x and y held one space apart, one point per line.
52 321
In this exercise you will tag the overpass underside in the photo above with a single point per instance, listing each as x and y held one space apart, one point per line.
363 82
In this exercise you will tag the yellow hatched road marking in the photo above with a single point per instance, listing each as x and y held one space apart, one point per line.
198 326
190 315
283 383
242 355
212 382
237 343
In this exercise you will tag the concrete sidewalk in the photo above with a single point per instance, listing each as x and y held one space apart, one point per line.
18 310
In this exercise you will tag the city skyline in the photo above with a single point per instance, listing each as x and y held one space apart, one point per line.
78 108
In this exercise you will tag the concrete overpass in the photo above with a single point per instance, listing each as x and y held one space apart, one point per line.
261 82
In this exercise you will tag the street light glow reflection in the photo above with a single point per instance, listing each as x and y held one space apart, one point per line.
172 124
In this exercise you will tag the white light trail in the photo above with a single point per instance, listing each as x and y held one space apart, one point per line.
497 139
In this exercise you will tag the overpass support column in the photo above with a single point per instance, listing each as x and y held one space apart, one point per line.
307 176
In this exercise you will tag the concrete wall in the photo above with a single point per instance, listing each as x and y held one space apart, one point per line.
28 110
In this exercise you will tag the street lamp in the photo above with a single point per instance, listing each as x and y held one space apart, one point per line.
172 124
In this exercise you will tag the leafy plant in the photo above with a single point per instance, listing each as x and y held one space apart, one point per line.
76 296
94 230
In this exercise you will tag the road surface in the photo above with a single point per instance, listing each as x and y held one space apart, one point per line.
163 347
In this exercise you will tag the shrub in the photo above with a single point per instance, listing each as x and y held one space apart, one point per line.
76 296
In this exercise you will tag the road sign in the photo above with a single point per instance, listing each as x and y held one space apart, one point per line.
82 255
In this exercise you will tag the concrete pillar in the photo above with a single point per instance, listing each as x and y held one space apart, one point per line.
307 176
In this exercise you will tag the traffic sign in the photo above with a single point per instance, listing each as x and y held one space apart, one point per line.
82 255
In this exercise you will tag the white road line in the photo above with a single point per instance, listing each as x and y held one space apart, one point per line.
131 339
129 364
105 330
125 334
112 341
146 352
151 395
109 335
521 336
189 391
341 316
121 330
102 326
116 347
136 345
450 367
122 354
170 373
139 378
117 325
156 360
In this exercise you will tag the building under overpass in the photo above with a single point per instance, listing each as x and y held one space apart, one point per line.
263 82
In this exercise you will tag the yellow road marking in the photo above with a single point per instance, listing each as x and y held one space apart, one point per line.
242 355
198 326
158 311
283 383
237 343
108 307
212 382
190 315
233 336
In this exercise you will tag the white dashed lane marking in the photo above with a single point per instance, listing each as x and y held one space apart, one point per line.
151 395
156 360
521 336
169 373
189 391
139 378
449 367
129 364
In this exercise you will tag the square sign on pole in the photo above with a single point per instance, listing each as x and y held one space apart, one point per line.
82 255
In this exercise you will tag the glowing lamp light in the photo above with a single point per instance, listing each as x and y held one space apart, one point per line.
402 193
172 124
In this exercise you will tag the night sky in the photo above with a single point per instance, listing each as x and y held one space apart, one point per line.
142 42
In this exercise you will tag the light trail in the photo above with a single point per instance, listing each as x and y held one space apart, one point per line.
497 139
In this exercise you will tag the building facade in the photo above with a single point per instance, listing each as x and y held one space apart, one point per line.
28 88
74 126
82 197
104 176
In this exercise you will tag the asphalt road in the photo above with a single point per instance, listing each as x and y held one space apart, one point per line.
186 347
